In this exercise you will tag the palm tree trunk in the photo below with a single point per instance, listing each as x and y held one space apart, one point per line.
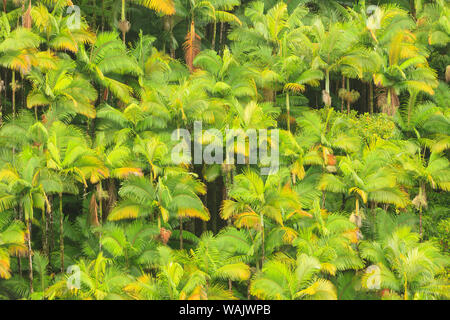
413 8
204 225
61 232
213 44
262 241
181 233
423 193
327 81
420 221
343 202
405 295
50 217
370 96
343 87
123 19
348 90
222 27
13 82
288 109
103 15
30 260
19 260
94 15
45 232
1 108
357 206
411 103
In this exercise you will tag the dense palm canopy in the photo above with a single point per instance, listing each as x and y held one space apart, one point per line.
358 207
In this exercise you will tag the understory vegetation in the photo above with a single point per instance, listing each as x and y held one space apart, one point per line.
92 205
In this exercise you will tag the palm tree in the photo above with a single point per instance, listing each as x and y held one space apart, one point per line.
227 77
18 52
210 260
56 31
165 7
70 157
434 172
100 279
173 280
334 47
128 243
206 11
174 195
333 234
369 178
290 279
409 269
108 58
404 69
254 200
26 191
63 90
12 240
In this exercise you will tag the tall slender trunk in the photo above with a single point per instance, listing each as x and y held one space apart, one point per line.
222 27
22 95
411 103
420 221
5 85
50 217
413 8
348 90
123 20
343 87
327 81
1 108
103 15
204 224
423 193
19 260
214 212
371 96
213 44
262 240
357 206
343 202
30 259
61 232
288 109
45 232
181 233
364 107
94 15
100 207
13 82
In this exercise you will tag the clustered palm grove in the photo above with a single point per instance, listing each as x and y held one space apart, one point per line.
357 210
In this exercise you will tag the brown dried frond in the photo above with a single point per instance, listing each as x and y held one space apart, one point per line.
93 208
26 18
191 47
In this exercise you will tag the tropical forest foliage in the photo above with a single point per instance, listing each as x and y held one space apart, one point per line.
92 205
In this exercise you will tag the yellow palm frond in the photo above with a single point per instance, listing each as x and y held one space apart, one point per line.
166 7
